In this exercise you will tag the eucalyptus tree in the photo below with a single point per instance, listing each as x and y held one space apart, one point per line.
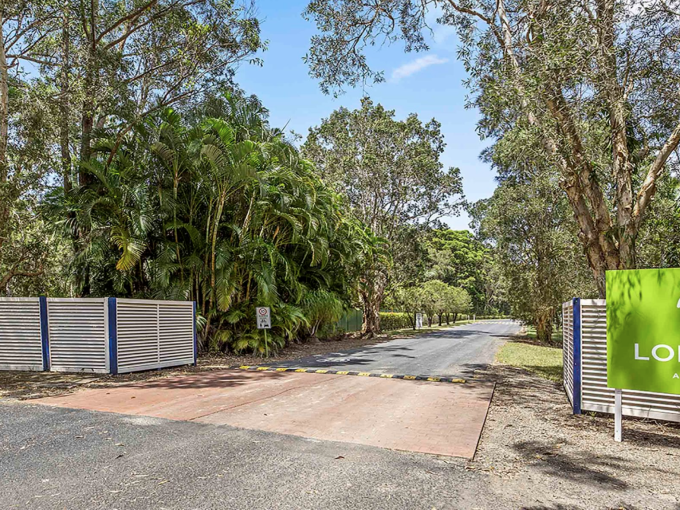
26 142
390 172
587 87
534 247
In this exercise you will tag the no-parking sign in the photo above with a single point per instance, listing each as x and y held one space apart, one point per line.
264 317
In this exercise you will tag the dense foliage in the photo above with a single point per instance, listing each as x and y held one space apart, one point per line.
433 298
531 239
391 173
223 212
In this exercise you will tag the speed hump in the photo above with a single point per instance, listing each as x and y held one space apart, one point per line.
264 317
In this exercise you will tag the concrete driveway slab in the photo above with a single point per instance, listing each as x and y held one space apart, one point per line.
435 418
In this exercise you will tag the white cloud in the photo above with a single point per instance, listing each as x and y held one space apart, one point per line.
416 65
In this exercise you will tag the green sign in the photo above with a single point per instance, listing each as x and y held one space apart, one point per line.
643 330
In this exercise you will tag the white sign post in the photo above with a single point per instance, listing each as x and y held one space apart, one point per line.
618 415
264 317
264 321
419 321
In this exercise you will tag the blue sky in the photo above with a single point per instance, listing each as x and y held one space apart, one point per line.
427 83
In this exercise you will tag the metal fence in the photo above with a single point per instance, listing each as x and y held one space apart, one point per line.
106 335
154 334
21 346
77 335
585 367
350 322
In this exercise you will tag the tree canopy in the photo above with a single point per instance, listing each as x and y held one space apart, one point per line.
391 173
588 88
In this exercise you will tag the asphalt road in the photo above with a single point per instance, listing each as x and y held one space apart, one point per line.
55 458
79 459
458 351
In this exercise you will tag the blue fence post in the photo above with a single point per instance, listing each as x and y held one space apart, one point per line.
577 355
44 334
195 338
113 337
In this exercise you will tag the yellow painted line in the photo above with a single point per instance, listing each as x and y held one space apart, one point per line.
321 371
364 374
387 376
342 372
262 368
301 370
457 380
245 367
434 379
409 377
281 369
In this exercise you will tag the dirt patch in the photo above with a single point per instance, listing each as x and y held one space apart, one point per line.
542 456
29 385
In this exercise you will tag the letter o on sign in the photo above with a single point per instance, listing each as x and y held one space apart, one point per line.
662 346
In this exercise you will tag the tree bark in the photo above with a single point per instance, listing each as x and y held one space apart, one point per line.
89 89
64 101
371 295
4 107
544 327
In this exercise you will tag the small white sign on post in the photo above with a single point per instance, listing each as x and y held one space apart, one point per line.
264 317
419 321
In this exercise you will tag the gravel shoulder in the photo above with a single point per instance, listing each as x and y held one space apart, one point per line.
538 453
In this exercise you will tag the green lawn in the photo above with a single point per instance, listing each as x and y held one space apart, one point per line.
543 361
556 335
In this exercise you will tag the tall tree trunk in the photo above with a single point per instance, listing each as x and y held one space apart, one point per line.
86 124
544 327
64 100
4 109
90 92
371 296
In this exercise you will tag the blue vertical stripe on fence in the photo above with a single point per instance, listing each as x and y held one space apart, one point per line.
44 334
113 337
195 338
577 355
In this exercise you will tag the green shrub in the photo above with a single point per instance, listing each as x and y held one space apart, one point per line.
394 320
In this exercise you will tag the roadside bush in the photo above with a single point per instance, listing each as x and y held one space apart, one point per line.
394 320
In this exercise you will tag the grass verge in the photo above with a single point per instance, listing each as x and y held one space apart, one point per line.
543 361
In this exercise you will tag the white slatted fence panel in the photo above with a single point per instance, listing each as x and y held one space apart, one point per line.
596 395
176 332
20 340
78 335
137 333
154 334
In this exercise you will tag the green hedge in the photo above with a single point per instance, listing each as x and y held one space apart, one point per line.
394 320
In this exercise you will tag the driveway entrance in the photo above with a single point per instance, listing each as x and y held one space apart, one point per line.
426 417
